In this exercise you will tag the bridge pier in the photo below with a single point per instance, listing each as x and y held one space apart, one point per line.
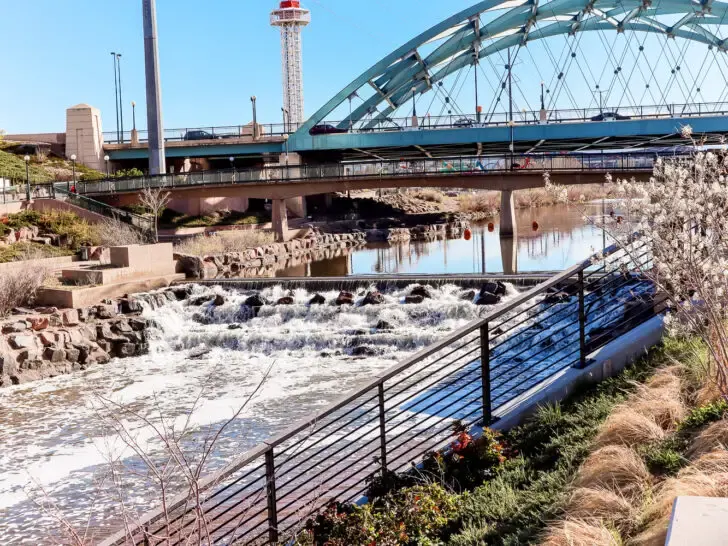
508 214
280 220
509 255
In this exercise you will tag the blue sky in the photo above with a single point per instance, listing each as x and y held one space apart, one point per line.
215 54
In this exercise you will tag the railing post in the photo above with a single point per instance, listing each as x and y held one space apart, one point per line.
485 374
270 491
382 431
582 323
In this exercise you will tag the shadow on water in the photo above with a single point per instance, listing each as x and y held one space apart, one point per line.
548 239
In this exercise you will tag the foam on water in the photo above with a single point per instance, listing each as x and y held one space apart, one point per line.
52 434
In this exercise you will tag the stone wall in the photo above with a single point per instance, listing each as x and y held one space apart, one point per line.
249 262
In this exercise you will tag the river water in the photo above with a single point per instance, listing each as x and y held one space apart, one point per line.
559 238
57 439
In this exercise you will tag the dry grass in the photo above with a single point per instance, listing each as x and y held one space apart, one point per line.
713 462
713 437
483 202
601 504
225 242
114 232
661 399
430 195
628 427
18 286
576 532
615 468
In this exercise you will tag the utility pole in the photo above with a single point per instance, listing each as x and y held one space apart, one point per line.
475 63
116 95
155 127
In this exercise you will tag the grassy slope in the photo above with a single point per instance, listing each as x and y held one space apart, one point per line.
515 507
13 167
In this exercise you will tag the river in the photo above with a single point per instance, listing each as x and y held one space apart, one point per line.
57 442
548 239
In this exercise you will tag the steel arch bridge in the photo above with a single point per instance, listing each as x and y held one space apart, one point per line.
669 51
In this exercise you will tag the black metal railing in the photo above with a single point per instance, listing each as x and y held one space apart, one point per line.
61 192
431 168
450 121
390 423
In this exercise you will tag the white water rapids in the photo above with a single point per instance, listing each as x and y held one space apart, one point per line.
55 446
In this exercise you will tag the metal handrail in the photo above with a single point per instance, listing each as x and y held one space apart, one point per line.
458 377
448 121
135 220
432 168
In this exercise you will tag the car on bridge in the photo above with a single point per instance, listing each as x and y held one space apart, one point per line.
463 123
198 134
610 116
326 129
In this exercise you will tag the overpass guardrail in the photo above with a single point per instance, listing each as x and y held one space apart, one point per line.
471 165
407 411
449 121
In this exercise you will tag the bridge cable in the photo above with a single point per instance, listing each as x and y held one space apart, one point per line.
641 53
556 64
612 59
675 69
562 76
636 66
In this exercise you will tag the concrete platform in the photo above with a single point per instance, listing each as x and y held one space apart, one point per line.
698 520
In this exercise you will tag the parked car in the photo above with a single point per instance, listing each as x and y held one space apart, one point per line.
464 122
610 116
326 129
200 135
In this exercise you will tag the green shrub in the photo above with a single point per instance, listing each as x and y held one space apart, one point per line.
25 218
30 251
704 415
129 173
412 516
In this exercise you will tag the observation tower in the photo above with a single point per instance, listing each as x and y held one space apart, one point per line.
291 18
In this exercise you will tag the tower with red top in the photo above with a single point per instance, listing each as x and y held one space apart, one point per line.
291 18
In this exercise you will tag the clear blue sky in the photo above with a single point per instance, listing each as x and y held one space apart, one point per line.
215 54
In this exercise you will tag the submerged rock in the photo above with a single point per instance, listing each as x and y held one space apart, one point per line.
363 350
468 295
345 298
384 325
255 301
486 298
218 301
414 300
286 300
498 288
423 291
373 298
318 299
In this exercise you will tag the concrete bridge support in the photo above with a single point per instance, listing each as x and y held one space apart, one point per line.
508 214
509 255
280 220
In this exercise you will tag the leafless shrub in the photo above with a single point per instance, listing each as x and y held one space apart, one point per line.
114 232
224 242
427 194
19 285
482 202
155 200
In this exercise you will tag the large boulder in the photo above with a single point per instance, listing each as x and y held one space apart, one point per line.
255 301
286 300
486 298
414 300
498 288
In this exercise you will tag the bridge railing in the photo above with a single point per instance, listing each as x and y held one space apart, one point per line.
471 165
407 411
450 121
192 134
62 193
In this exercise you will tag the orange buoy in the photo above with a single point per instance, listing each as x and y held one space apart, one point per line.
491 227
535 226
468 234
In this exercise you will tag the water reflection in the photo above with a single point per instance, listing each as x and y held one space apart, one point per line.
548 239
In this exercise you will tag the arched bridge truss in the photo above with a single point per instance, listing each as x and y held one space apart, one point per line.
636 52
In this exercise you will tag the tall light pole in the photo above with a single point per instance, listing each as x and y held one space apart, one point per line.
286 121
106 160
133 115
155 126
116 95
476 59
27 177
253 100
121 102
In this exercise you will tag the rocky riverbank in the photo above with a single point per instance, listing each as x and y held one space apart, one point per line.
46 342
257 262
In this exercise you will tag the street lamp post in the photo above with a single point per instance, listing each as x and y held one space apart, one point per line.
121 102
133 115
414 107
106 160
232 166
253 100
286 118
73 160
27 177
